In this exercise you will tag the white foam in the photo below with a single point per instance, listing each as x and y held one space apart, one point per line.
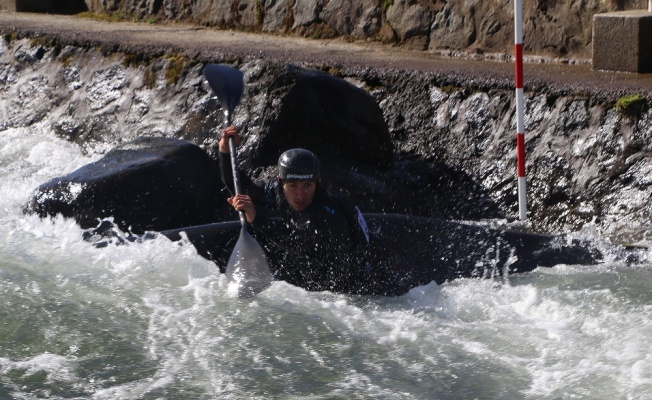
557 333
57 367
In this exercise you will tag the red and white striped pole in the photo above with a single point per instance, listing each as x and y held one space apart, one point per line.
520 120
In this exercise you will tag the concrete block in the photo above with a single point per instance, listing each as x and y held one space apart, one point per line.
37 6
622 41
45 6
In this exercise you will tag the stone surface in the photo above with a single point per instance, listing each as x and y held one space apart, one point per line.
552 28
149 184
410 23
321 112
622 41
451 122
158 183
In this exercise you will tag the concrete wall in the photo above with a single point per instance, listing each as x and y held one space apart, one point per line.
551 28
44 6
622 41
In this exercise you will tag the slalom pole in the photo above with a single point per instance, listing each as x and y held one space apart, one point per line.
520 123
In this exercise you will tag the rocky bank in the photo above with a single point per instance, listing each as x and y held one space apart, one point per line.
452 127
553 28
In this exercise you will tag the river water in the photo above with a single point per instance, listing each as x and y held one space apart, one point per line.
153 320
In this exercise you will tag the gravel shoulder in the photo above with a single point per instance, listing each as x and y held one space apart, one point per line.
210 45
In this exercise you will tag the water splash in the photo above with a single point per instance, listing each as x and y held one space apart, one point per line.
154 320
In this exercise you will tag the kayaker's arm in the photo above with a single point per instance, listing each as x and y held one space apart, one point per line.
250 190
224 153
242 202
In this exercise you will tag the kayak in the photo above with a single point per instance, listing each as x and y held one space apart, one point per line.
429 249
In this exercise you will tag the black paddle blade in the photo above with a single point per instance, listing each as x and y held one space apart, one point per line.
227 83
247 271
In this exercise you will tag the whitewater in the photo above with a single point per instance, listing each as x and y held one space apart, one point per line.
153 320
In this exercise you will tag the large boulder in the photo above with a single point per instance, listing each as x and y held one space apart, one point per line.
149 184
321 112
285 106
160 184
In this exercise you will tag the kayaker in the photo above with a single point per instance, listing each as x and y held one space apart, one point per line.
317 239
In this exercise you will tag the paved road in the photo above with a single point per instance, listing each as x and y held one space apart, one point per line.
210 45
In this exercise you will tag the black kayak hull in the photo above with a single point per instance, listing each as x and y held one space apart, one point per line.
429 249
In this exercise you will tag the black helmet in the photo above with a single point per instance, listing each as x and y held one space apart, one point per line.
298 165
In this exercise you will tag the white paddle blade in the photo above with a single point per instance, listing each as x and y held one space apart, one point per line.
247 271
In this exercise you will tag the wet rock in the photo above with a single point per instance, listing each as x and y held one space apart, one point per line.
30 103
105 88
150 184
287 107
438 144
341 123
318 111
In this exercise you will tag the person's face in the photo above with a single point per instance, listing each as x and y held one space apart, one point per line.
299 194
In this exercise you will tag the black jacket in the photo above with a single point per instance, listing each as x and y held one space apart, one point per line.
324 247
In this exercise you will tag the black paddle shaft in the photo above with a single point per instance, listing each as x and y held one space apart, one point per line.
228 84
236 170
